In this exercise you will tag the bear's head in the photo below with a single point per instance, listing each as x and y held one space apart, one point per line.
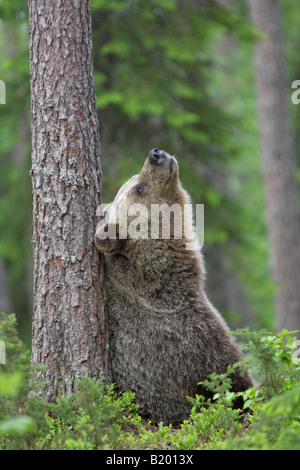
151 205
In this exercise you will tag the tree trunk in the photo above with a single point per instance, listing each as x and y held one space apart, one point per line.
69 315
278 160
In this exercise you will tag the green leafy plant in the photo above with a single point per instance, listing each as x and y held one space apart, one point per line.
221 412
96 416
89 418
277 426
271 358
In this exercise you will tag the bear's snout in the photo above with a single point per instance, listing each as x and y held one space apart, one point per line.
157 156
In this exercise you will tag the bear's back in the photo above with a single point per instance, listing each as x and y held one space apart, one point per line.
161 356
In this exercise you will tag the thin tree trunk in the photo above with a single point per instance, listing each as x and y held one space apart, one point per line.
278 160
69 315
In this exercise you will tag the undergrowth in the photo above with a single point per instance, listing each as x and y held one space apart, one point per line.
97 417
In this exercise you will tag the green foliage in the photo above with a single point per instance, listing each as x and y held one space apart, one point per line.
149 63
97 417
17 354
272 359
276 410
277 426
87 420
15 190
14 386
163 80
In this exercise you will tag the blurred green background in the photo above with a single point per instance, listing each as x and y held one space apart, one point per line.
169 74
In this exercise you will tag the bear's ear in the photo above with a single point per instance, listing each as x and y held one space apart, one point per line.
107 239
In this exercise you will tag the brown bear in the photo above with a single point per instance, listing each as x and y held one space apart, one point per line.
164 334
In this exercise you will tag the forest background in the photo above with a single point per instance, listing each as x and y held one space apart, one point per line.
170 78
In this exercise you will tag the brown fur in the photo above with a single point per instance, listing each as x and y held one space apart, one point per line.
164 334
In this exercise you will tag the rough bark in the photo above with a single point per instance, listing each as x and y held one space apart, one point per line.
69 317
278 162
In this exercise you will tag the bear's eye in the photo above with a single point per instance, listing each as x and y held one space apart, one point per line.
139 189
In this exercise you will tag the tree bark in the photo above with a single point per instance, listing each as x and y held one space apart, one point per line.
69 323
278 160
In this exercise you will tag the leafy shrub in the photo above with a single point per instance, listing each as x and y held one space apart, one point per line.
277 426
271 359
88 419
14 386
277 412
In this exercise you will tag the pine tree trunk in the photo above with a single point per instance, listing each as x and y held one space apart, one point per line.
69 323
278 160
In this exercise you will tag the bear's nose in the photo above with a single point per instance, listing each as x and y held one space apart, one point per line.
156 156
